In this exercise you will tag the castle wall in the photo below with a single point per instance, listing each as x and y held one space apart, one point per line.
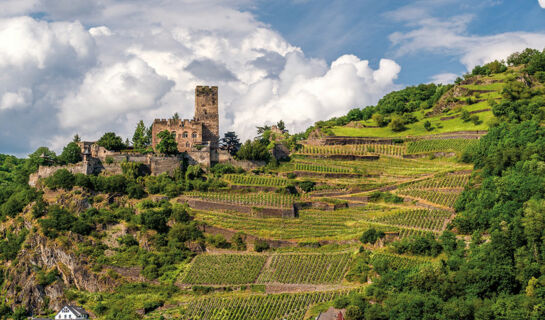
188 133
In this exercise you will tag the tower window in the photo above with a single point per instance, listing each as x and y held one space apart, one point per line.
185 134
187 144
194 135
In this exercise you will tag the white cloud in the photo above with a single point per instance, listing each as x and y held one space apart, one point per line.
143 61
450 37
444 78
542 3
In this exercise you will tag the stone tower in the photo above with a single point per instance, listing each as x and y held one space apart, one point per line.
206 111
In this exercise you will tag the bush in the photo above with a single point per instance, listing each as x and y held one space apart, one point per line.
218 241
239 241
306 185
261 245
135 191
371 236
397 124
254 150
428 126
475 119
291 175
61 179
419 245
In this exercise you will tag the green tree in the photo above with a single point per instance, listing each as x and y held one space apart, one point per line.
76 138
168 144
71 153
397 124
111 141
230 142
253 150
140 138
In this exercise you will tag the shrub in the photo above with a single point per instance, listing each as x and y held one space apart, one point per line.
306 185
71 153
428 126
397 124
291 175
254 150
135 191
371 236
62 179
261 245
218 241
239 241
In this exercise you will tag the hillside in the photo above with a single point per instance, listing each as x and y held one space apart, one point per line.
392 222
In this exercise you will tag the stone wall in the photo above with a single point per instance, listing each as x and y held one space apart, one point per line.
188 133
206 111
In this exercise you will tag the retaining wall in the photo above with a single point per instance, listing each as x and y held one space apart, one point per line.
261 212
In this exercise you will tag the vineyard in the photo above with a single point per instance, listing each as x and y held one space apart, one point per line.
439 145
306 268
225 269
256 307
395 261
432 220
357 149
263 199
321 168
440 197
252 180
451 181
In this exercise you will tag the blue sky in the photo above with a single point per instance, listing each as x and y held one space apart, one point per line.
89 67
330 28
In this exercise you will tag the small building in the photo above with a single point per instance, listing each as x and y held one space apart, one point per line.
69 312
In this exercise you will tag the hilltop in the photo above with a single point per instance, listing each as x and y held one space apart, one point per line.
427 205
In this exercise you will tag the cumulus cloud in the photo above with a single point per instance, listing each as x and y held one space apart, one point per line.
444 78
450 36
542 3
91 67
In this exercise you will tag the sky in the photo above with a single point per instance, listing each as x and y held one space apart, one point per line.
89 67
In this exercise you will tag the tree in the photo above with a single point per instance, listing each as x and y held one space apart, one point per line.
428 126
168 144
397 124
140 139
281 126
71 153
230 142
175 116
379 120
76 138
111 141
253 150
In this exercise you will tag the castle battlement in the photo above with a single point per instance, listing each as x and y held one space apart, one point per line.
203 129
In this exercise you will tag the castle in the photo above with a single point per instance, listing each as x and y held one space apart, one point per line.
201 131
197 139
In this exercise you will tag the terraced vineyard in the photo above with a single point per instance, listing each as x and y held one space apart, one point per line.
450 181
345 224
438 145
356 149
256 307
440 197
432 220
253 180
321 168
225 269
266 199
395 261
306 268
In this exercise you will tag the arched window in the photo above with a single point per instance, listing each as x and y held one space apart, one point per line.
187 144
185 134
194 135
173 133
204 111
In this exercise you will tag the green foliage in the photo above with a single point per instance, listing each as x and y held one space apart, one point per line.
426 245
111 141
11 244
371 236
239 241
261 245
71 153
397 124
141 137
380 120
385 196
218 241
254 150
168 144
428 126
230 142
520 58
44 279
490 68
61 179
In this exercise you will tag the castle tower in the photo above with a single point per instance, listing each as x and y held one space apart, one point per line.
206 111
